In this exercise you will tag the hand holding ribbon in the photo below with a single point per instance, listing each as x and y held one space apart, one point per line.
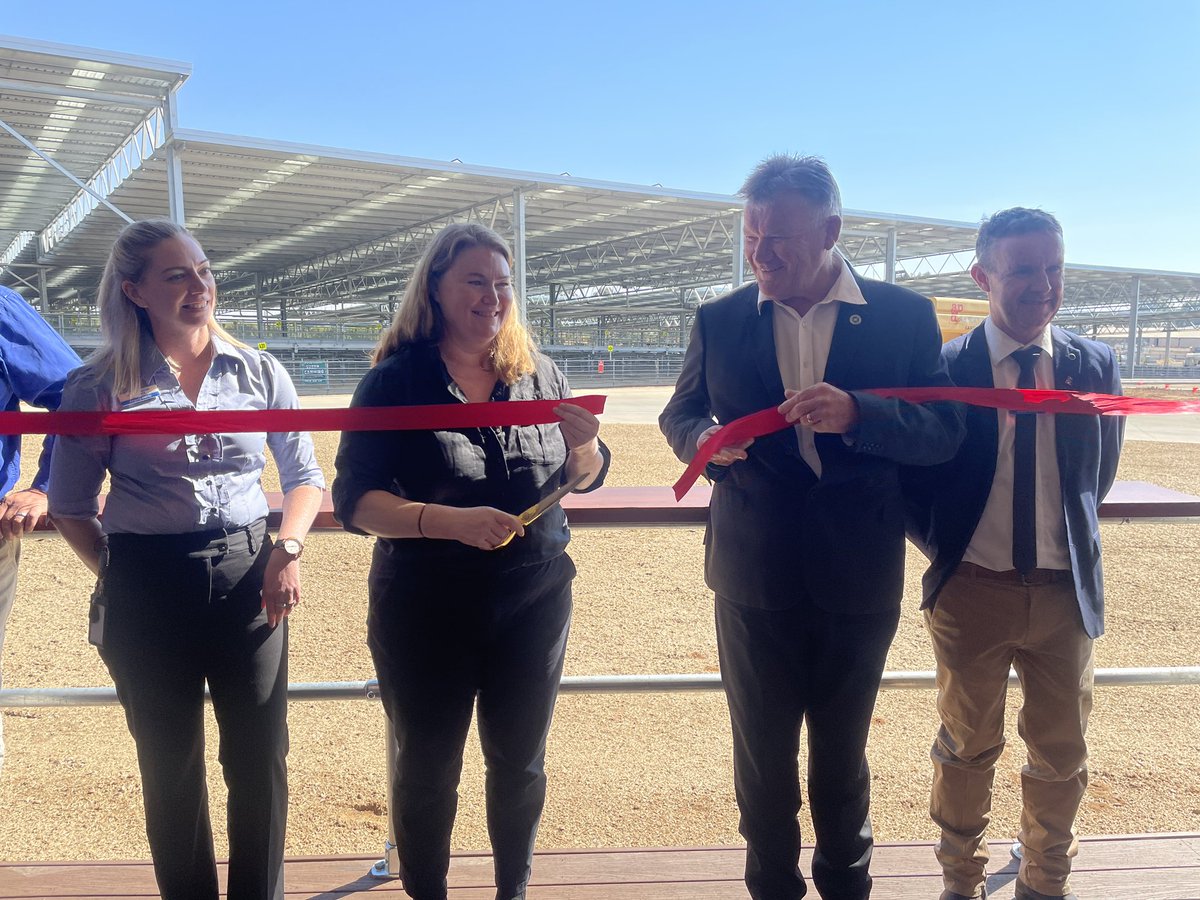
769 421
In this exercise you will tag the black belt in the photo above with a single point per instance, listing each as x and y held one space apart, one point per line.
214 541
1012 576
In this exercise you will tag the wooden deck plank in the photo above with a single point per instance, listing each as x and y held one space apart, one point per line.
1149 867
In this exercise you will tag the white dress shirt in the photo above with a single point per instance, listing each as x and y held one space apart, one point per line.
802 346
991 545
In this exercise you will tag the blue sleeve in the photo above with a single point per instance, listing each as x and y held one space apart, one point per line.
293 450
80 461
36 362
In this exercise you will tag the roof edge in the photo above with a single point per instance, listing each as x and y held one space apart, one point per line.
533 179
72 51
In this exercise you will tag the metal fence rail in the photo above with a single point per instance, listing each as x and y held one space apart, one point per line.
587 684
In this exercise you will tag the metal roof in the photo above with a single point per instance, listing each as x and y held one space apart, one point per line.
339 230
79 106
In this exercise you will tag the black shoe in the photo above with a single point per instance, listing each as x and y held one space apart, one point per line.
1025 892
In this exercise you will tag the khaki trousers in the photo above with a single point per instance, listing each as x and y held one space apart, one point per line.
979 627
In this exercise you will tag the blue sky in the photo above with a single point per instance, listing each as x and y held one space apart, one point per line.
949 110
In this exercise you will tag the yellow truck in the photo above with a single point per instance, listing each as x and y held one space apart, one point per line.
957 316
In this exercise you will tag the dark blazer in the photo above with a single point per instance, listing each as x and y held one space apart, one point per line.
775 531
951 498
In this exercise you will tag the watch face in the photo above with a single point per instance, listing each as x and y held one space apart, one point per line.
290 546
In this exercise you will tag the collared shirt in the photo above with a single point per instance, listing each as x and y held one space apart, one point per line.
34 363
171 483
802 346
991 545
506 468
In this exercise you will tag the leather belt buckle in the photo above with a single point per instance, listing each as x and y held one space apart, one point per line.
1043 576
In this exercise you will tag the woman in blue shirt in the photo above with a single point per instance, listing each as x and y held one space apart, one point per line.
191 589
460 614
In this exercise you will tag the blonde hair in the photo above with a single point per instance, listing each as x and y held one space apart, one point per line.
123 323
419 317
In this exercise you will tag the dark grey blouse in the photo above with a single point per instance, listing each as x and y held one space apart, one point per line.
507 468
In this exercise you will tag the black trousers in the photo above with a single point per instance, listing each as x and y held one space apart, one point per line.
180 610
441 643
782 668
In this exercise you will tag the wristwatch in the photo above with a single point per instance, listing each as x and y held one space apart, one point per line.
290 546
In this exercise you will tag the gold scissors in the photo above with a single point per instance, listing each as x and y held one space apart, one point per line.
530 515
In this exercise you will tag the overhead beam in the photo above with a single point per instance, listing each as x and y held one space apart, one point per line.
146 104
377 264
53 163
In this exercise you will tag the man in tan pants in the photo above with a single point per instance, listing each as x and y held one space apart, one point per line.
1011 528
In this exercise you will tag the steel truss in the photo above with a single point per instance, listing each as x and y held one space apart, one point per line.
641 259
376 269
1105 307
138 147
935 265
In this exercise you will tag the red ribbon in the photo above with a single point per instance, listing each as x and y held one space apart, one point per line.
1052 402
362 418
768 421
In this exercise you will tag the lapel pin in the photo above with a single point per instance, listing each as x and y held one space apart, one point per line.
856 319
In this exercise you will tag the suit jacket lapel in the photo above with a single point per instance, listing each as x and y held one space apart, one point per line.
1071 433
973 368
850 341
763 341
1068 361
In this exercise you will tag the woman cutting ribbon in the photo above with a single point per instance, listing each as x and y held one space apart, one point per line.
191 589
455 617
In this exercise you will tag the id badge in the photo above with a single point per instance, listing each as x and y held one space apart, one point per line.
148 397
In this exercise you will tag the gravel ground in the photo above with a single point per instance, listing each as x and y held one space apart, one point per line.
635 770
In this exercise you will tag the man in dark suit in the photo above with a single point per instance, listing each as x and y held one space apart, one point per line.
805 544
1011 527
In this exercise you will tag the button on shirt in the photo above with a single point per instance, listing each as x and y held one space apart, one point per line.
34 363
802 346
175 484
991 545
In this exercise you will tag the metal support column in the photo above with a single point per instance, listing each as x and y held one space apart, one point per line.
739 251
519 249
283 322
889 262
683 323
262 332
1131 349
553 314
174 163
43 297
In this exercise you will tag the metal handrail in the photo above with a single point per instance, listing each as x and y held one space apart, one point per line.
595 684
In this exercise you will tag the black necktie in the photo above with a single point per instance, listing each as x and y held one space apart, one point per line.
1024 549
